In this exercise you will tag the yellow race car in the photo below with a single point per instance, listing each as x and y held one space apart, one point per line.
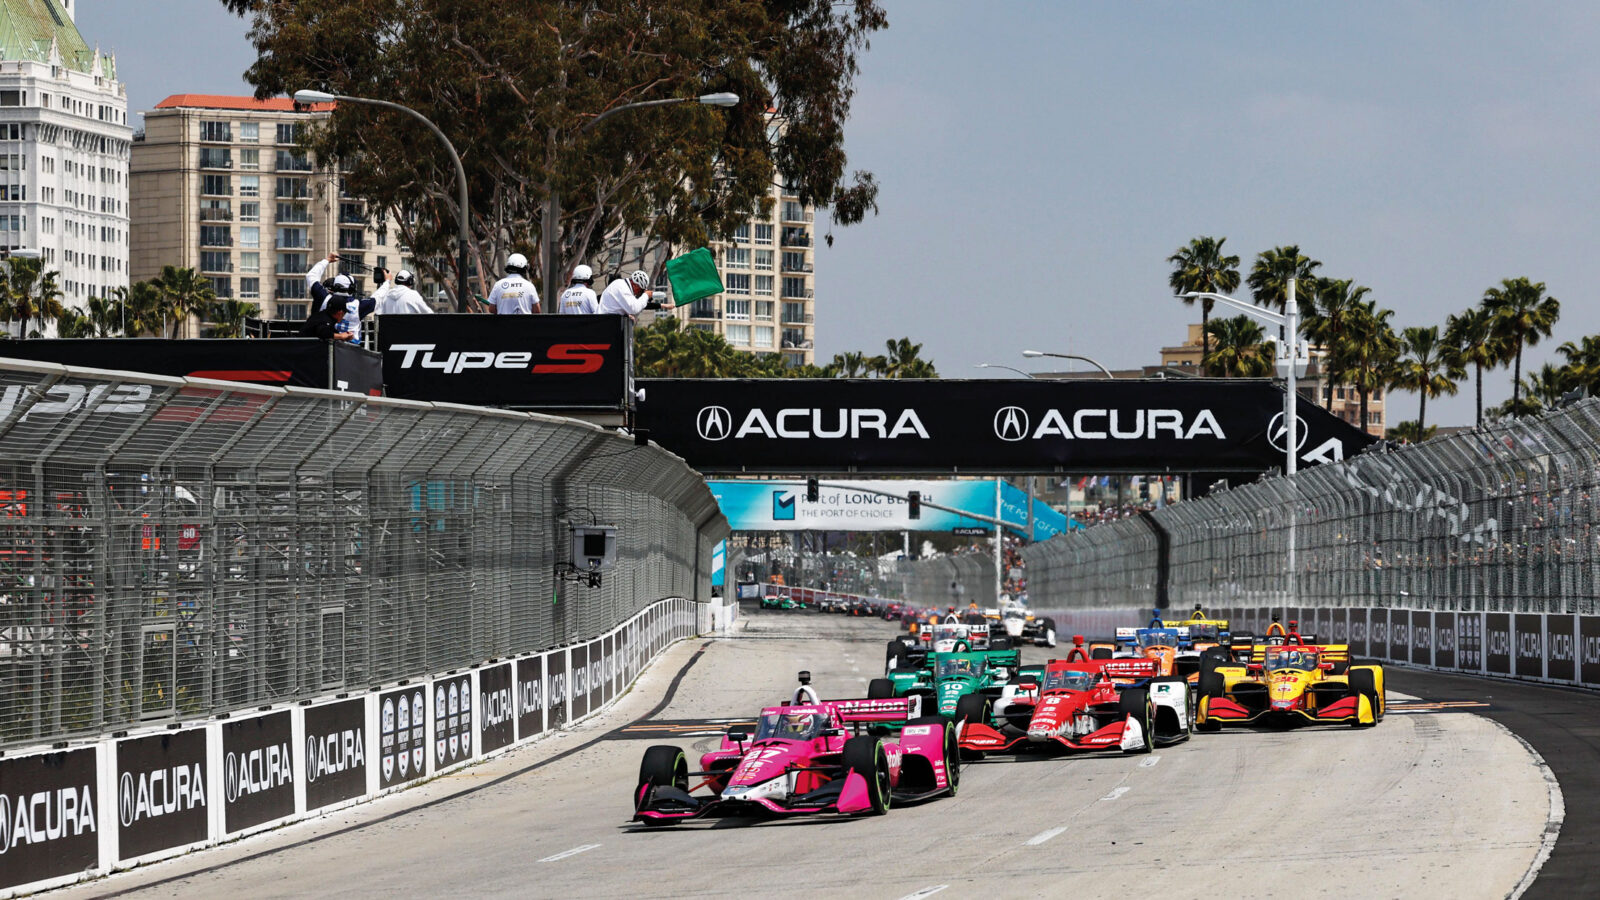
1290 683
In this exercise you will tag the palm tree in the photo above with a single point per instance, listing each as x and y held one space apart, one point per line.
1410 433
1241 349
1583 363
105 313
1471 337
1522 315
1269 277
1541 390
144 311
852 364
185 292
903 360
74 324
31 293
1427 366
228 317
1324 308
1202 267
1368 350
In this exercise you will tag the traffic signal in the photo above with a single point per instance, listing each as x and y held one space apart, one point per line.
914 505
813 490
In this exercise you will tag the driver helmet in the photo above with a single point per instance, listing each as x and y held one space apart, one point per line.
799 725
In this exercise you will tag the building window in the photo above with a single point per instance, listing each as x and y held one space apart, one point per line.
250 159
293 188
214 211
764 309
293 238
795 262
215 236
763 336
352 239
742 233
703 309
215 261
764 260
736 256
249 212
216 132
796 287
764 234
292 264
292 312
294 212
290 134
249 235
222 287
10 98
249 185
249 288
13 162
793 338
250 132
351 214
739 334
794 212
216 184
248 262
794 313
738 310
764 285
292 161
13 132
738 284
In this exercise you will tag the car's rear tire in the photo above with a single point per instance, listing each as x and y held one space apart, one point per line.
664 764
880 689
896 655
865 756
1136 704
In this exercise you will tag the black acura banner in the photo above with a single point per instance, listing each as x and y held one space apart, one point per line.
161 792
820 425
49 826
521 362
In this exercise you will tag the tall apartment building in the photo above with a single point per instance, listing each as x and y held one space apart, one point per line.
64 147
218 186
768 275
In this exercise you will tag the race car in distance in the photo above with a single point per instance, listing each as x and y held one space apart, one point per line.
774 600
808 756
1021 625
952 684
1115 704
1291 683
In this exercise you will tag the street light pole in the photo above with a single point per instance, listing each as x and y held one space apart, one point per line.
1035 354
1289 320
463 232
1007 368
552 206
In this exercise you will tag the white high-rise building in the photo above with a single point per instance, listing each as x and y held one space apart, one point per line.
64 147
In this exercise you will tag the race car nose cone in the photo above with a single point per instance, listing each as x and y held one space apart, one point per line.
1283 704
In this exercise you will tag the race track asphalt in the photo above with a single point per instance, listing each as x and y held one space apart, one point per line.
1433 802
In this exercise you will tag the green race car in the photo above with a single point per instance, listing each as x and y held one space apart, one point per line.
946 680
781 601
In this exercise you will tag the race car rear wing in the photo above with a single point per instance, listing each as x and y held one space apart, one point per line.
1328 653
885 711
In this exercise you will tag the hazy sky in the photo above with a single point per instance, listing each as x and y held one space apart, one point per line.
1040 160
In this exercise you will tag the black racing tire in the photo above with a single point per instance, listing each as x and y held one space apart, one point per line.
880 689
952 747
1362 683
865 755
1000 642
896 655
1136 703
973 708
1049 633
1211 683
664 764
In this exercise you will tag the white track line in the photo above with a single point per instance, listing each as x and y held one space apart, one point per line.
1043 836
573 852
1116 792
1552 821
1149 762
925 892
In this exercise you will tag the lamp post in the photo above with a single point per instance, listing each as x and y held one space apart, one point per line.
1007 368
1035 354
463 233
1289 320
552 206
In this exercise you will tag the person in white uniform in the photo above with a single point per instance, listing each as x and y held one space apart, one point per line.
398 294
515 294
626 296
580 299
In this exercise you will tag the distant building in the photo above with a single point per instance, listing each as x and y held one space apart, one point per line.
767 270
219 186
64 147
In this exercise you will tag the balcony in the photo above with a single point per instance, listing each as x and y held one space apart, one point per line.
712 314
792 294
795 213
294 193
216 241
796 267
214 159
791 319
294 215
796 239
289 162
226 267
216 215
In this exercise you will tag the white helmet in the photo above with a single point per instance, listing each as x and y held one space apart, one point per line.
582 273
516 262
638 277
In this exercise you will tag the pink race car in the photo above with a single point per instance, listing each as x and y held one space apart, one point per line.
807 756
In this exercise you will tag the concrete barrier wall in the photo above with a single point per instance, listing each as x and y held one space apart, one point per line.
83 810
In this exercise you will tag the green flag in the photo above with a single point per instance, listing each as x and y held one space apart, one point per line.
693 276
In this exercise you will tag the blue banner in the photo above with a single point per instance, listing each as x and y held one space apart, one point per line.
862 506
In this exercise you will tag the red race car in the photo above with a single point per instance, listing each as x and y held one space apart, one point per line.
1100 704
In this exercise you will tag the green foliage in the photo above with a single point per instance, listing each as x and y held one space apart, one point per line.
1426 366
1471 338
1202 267
184 292
666 349
29 294
227 317
1240 349
1410 433
1326 306
515 87
1269 277
1522 315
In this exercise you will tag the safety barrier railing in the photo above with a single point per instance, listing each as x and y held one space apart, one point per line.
948 580
173 548
1505 518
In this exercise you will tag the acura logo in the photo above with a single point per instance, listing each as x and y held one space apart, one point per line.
1011 423
1277 433
714 423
